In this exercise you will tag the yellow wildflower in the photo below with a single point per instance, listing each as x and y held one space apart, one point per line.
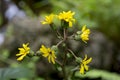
47 52
83 65
67 16
23 52
85 34
48 19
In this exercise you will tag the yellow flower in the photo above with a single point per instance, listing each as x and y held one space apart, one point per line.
48 19
67 16
85 34
47 52
83 65
23 52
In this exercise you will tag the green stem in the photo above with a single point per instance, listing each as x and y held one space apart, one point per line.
59 62
72 53
63 67
64 38
64 73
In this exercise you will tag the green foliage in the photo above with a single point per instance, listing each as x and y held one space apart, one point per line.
92 74
95 13
82 8
103 15
21 71
28 10
15 73
5 54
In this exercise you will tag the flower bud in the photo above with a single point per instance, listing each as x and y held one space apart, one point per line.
55 48
78 32
78 60
31 54
77 37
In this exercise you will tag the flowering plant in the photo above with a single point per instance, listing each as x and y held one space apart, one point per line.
67 19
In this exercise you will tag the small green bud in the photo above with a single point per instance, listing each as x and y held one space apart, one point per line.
68 55
31 54
78 32
77 37
55 48
52 25
78 60
63 44
38 53
59 68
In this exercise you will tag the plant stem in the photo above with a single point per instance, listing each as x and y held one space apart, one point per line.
64 38
58 34
64 73
71 37
65 55
65 34
72 53
60 43
59 62
63 67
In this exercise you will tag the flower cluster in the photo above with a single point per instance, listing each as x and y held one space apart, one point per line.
67 19
64 16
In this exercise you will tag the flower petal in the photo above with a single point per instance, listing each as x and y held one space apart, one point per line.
88 61
83 28
21 57
82 69
86 67
85 57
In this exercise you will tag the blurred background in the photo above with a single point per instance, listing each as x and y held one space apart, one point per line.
20 23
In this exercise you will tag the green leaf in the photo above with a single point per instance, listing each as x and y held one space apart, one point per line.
15 73
99 73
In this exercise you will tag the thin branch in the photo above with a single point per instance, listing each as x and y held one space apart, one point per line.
64 72
65 34
60 43
72 53
58 34
58 62
71 37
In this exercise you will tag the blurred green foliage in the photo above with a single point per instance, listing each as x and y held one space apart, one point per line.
24 70
28 11
101 14
104 75
15 73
